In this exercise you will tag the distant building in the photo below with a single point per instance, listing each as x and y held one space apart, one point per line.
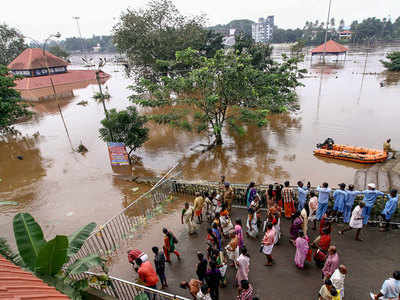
96 48
229 41
263 30
345 34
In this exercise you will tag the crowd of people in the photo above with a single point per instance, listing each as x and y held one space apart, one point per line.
226 247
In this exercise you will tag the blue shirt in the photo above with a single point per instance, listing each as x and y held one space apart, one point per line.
340 196
302 194
390 206
351 195
323 195
370 197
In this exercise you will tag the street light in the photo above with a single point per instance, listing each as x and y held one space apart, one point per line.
56 35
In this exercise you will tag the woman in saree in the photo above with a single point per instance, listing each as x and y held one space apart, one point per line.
250 193
297 222
301 250
252 217
239 232
187 218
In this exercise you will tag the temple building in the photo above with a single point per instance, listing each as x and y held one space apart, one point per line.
35 65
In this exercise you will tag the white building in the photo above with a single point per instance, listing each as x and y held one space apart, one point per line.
263 30
229 41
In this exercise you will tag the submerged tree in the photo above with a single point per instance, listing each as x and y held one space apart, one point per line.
394 61
224 89
11 107
126 126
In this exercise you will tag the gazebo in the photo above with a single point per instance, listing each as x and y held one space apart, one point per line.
330 48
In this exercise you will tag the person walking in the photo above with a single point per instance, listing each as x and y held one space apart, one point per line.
305 212
390 208
239 232
288 200
245 291
159 263
356 221
337 279
268 243
229 195
270 196
331 263
296 225
302 193
301 250
322 243
187 218
169 245
339 196
198 204
370 196
388 148
201 267
193 285
148 275
250 193
313 206
325 290
390 288
323 199
213 279
243 263
349 202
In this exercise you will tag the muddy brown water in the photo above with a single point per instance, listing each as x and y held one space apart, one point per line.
64 189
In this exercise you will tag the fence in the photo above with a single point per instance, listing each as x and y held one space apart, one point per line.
106 239
186 187
122 289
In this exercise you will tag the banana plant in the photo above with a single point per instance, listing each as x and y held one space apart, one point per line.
47 258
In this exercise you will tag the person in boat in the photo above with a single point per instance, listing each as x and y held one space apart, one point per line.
370 196
339 196
302 193
390 208
388 148
327 144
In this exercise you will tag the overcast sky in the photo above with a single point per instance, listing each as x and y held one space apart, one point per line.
40 18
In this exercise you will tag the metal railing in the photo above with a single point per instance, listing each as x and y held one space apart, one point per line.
122 289
106 239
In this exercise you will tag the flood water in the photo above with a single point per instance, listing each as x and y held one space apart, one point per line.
64 189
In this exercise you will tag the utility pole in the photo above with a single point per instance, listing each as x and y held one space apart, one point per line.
327 27
80 36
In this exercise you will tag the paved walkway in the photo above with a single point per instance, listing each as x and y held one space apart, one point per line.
368 262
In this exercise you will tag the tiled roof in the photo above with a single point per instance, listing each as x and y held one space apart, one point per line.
331 47
33 58
72 76
345 31
17 284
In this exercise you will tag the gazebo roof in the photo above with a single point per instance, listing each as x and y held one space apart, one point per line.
33 58
331 47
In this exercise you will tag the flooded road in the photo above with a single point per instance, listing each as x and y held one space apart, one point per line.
64 189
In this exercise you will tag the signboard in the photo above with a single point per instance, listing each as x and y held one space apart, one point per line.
118 154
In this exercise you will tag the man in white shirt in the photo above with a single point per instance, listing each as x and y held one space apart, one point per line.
390 288
337 279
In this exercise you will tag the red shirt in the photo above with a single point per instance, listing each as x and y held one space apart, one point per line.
147 274
133 254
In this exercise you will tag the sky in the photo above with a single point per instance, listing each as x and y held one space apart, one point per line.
39 19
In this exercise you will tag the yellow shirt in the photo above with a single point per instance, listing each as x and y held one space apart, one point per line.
386 147
198 203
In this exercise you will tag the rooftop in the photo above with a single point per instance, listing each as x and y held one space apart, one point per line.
33 58
15 283
330 47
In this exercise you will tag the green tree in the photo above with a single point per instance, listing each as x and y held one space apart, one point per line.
156 33
58 51
46 258
11 44
11 107
394 61
127 127
224 89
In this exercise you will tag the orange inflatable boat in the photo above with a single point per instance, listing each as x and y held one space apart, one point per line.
352 153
